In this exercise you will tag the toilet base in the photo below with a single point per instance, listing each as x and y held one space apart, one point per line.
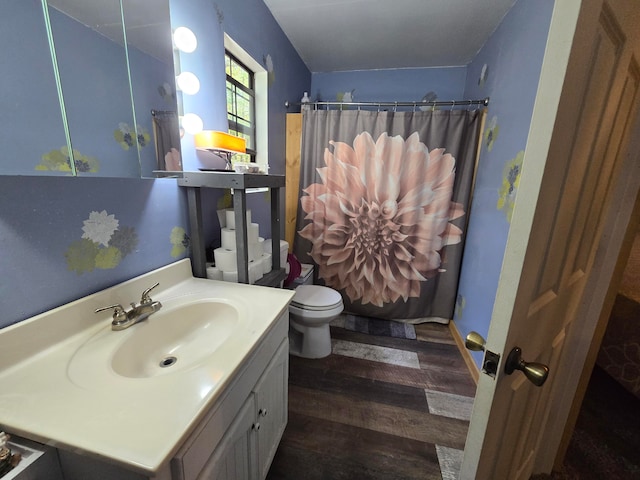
309 342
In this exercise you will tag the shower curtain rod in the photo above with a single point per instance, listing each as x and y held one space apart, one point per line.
417 103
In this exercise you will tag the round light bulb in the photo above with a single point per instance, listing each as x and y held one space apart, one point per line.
192 123
188 83
185 40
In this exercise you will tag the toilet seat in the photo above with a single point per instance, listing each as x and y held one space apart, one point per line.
316 298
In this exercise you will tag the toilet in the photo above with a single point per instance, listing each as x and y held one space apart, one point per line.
310 312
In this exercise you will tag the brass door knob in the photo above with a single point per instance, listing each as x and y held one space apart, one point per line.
537 373
475 342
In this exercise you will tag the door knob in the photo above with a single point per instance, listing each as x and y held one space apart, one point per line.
537 373
475 342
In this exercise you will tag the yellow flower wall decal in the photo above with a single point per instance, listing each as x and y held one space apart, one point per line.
179 240
380 217
60 161
510 183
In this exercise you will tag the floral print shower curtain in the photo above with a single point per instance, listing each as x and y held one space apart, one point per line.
384 203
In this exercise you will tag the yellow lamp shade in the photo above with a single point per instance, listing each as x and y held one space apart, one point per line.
214 140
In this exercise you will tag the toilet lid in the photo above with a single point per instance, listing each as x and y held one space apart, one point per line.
316 297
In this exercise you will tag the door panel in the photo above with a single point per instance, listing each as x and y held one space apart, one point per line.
562 206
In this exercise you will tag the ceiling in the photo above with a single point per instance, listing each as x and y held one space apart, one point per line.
337 35
329 35
148 25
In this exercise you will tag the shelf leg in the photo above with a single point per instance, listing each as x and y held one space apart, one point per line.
275 228
242 247
198 253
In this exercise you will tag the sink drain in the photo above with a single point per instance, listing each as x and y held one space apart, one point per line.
168 361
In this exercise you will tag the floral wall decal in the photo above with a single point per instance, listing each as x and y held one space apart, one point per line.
127 137
268 64
226 200
430 96
484 74
167 93
124 136
381 216
346 97
219 13
180 241
491 133
510 183
103 244
461 302
59 161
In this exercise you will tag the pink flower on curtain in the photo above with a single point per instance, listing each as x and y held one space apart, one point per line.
381 216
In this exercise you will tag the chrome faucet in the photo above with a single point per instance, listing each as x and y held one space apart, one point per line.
123 319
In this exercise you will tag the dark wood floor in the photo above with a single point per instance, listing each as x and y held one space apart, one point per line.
377 408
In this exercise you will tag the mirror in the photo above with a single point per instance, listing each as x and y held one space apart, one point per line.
32 132
92 64
108 92
151 66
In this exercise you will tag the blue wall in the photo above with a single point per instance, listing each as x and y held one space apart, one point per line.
408 84
513 56
45 260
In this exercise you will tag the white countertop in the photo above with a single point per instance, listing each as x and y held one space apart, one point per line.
136 422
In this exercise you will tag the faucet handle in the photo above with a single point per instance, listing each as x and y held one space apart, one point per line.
145 295
119 314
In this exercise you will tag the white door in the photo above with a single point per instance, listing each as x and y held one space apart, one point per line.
579 181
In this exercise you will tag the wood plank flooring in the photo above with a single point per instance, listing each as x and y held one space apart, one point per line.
377 408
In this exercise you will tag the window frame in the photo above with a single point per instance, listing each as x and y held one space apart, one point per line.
261 82
235 125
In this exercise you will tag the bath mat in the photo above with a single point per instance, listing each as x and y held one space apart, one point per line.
375 326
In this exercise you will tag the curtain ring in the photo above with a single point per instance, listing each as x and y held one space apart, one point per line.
453 104
395 107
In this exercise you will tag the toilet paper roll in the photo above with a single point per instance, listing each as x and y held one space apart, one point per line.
226 260
255 272
266 263
230 216
228 237
214 273
230 277
254 252
267 245
253 233
210 264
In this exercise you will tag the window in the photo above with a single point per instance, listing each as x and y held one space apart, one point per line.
241 105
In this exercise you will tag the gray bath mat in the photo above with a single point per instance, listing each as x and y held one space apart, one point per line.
375 326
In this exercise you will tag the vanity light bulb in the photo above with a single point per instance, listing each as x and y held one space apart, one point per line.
188 83
185 40
192 123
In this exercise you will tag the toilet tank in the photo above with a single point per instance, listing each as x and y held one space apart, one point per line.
306 276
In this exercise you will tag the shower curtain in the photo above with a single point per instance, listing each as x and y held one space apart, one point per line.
384 203
166 131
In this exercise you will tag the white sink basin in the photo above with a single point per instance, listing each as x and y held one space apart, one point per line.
189 331
173 339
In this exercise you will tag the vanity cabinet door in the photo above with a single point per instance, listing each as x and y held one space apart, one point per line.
235 456
271 407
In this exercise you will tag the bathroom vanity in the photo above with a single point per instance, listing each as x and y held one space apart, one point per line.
196 391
